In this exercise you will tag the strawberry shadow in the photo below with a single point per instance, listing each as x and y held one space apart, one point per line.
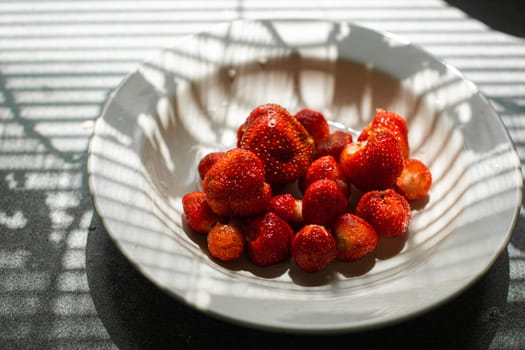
356 268
348 269
312 279
420 203
388 247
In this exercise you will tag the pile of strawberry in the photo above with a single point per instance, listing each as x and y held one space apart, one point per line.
245 204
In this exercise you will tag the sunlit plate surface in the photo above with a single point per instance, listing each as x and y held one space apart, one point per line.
191 99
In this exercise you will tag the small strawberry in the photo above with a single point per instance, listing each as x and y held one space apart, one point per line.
315 123
269 238
235 185
387 211
372 164
207 162
355 237
323 201
225 242
284 146
325 167
197 212
391 122
415 180
313 248
334 144
288 208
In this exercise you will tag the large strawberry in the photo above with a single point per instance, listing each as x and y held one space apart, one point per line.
387 211
235 185
269 238
198 213
323 201
372 164
313 248
281 142
390 122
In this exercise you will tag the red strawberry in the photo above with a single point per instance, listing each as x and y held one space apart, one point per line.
235 185
323 201
284 146
288 208
415 180
207 162
388 121
387 211
315 123
355 237
334 144
197 212
372 164
325 167
313 248
269 238
225 242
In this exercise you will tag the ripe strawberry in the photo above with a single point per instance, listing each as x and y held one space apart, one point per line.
334 144
225 242
415 180
207 162
313 248
387 211
197 212
372 164
288 208
323 201
355 237
284 146
315 123
235 185
325 167
269 238
388 121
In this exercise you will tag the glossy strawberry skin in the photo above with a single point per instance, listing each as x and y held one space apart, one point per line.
323 201
313 248
198 214
268 238
372 164
387 121
355 237
207 162
415 180
288 208
284 146
334 144
315 123
225 242
235 185
325 167
387 211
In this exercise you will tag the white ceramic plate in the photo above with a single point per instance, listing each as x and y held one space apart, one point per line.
190 100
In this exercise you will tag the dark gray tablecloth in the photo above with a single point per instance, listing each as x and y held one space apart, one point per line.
64 284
